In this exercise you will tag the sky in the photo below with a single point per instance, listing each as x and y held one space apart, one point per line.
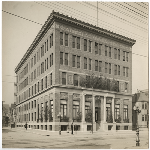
129 19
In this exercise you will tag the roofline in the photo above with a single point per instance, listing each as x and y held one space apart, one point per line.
57 15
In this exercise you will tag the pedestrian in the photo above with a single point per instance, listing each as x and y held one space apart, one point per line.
72 128
26 125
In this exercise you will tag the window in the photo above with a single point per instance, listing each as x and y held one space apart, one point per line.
52 58
73 41
145 105
108 111
85 63
38 86
46 82
66 58
61 58
35 103
47 63
50 43
35 88
127 56
66 39
85 45
52 39
126 87
123 71
45 47
51 81
115 53
73 60
34 59
109 51
75 80
31 62
126 72
100 49
90 61
142 105
142 117
106 50
123 55
115 70
47 44
63 78
29 116
75 108
125 112
118 70
51 104
78 61
32 116
96 65
118 54
90 46
78 42
100 66
87 106
42 84
109 68
35 116
32 90
117 111
63 107
29 92
29 105
32 104
61 38
106 65
96 48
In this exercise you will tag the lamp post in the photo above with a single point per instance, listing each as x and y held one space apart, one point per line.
137 110
59 116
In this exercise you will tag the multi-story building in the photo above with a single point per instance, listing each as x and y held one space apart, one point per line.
141 99
56 76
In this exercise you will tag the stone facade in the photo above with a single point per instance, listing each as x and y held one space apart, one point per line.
46 92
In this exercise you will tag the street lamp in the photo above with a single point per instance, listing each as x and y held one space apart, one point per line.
59 116
136 108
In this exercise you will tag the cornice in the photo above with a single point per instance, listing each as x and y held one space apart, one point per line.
58 16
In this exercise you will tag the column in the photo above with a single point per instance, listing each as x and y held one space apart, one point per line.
113 109
83 107
104 109
93 102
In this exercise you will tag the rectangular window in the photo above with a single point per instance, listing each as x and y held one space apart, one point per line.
37 56
85 45
78 61
32 90
45 47
32 104
117 111
123 71
35 88
73 41
46 82
106 66
35 59
127 55
63 109
108 111
52 39
115 53
90 46
96 48
66 58
63 78
90 62
35 103
142 105
123 56
85 63
96 65
52 59
61 38
118 54
51 81
109 68
29 92
75 80
42 84
109 51
145 105
100 66
100 49
38 86
61 58
106 50
47 44
126 72
35 116
115 70
126 87
118 70
78 42
32 116
50 43
75 108
73 60
66 39
142 117
47 63
125 112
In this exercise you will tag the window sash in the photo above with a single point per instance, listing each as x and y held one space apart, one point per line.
96 65
78 42
85 45
61 58
66 39
90 64
85 63
90 46
73 41
73 60
78 61
66 58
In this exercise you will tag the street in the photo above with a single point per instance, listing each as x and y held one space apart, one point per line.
34 138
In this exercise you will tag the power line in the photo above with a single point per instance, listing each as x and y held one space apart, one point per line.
93 20
124 20
21 17
120 11
135 8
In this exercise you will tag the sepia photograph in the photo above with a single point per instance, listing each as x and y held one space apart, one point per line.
75 75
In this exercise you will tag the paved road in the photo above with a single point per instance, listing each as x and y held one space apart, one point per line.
34 138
